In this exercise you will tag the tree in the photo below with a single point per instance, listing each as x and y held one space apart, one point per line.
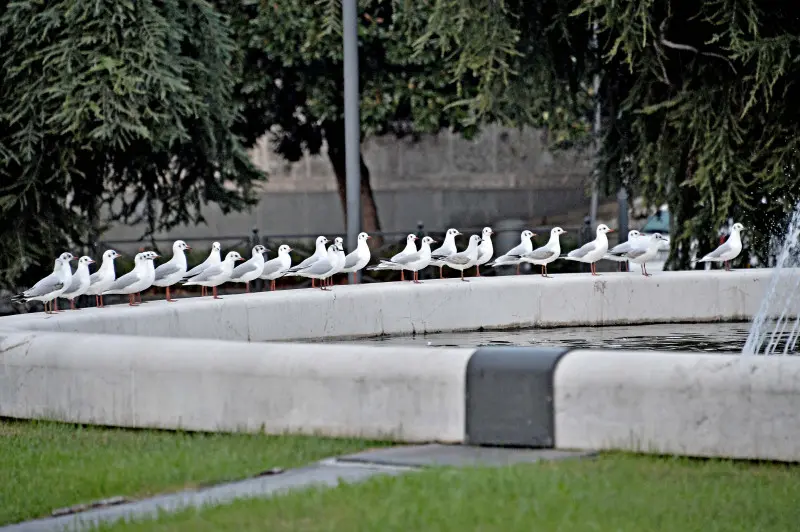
293 82
694 95
117 111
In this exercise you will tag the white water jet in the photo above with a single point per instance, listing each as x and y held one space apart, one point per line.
777 324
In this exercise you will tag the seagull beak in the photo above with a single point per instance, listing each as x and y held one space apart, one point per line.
563 232
610 230
188 247
91 261
156 256
434 241
534 235
368 237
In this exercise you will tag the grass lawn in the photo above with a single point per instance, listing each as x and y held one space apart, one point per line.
616 492
44 466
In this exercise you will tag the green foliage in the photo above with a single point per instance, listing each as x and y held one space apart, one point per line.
117 107
695 96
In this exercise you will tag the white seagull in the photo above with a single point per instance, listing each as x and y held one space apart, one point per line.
415 262
103 278
391 264
465 259
644 250
546 254
616 253
592 251
81 280
277 267
326 266
213 259
359 257
729 250
485 249
513 255
138 279
447 248
214 276
174 269
337 257
52 286
251 269
319 252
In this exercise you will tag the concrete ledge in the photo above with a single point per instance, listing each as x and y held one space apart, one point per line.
679 403
437 305
403 394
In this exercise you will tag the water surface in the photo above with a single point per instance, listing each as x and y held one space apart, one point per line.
712 337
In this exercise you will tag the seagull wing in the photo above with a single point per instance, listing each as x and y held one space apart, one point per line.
243 269
724 248
636 252
125 281
458 258
49 284
318 268
165 270
207 274
351 260
582 251
540 254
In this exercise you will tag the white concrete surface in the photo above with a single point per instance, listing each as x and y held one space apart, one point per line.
403 394
434 306
679 403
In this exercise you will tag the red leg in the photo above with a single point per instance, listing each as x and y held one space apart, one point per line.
477 271
272 285
518 265
72 304
441 275
215 293
247 287
313 283
402 275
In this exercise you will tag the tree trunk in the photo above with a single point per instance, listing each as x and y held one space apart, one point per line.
334 135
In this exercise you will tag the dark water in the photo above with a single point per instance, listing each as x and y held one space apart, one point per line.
713 337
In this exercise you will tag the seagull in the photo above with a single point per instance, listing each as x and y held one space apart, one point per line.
546 254
326 266
338 261
174 269
81 280
644 249
465 259
138 279
251 269
512 256
616 253
485 249
319 252
213 259
592 251
277 267
103 278
359 257
445 250
417 261
213 276
52 286
391 264
729 250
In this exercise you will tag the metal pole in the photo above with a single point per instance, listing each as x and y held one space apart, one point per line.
596 130
352 129
622 205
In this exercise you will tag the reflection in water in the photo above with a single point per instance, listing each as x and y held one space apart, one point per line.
714 337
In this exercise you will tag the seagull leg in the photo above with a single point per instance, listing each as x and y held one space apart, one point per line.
402 275
462 277
518 265
477 270
272 285
215 293
247 287
313 281
72 304
441 275
170 298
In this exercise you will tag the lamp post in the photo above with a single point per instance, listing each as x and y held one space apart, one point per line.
352 128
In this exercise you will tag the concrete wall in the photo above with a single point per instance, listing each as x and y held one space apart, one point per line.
684 404
433 306
396 394
675 403
442 180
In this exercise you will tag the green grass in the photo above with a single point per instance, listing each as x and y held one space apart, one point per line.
44 466
616 492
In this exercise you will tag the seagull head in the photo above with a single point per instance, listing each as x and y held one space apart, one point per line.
232 256
411 238
633 233
258 249
66 256
474 239
658 236
363 237
338 243
737 227
110 254
486 233
179 245
284 249
452 232
85 261
216 246
428 240
527 235
321 240
557 231
603 228
150 255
